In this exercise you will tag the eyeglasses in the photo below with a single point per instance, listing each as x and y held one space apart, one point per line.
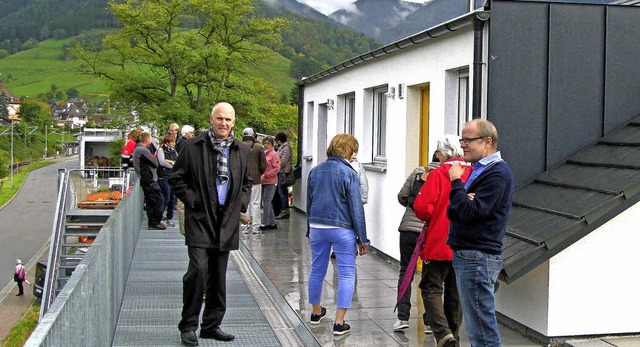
469 140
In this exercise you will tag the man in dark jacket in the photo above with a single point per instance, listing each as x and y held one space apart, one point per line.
146 165
479 210
211 177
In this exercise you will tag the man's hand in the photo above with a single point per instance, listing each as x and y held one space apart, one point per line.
362 249
455 172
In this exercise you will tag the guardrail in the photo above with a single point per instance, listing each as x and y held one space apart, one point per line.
85 312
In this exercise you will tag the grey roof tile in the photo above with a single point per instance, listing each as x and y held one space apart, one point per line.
568 202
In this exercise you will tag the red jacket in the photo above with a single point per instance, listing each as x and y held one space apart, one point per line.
431 206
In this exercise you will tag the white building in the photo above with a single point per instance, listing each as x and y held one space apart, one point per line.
561 83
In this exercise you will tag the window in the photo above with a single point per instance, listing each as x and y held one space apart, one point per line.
463 99
380 124
349 113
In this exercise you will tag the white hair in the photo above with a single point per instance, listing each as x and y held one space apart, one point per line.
186 129
449 146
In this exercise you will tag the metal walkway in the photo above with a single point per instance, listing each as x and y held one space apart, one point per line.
152 302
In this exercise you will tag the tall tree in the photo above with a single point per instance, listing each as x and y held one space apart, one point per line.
4 100
35 113
174 58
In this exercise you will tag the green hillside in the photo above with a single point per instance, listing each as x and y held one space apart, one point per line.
32 72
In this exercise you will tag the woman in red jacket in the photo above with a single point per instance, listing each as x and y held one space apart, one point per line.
438 277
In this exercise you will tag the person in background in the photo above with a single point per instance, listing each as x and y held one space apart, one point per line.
19 276
438 282
410 228
167 156
335 219
146 166
362 178
269 180
211 177
187 133
174 128
286 155
126 161
257 167
479 210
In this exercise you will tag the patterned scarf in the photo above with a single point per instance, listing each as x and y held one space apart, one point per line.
219 147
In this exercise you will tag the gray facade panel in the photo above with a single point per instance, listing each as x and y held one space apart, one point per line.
623 67
576 77
561 76
517 95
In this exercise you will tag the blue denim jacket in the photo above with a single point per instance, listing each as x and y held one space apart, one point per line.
333 197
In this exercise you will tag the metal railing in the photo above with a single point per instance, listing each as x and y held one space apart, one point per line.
85 312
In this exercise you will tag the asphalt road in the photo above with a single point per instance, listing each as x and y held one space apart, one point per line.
26 221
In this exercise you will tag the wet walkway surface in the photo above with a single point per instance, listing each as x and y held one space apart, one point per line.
267 302
285 257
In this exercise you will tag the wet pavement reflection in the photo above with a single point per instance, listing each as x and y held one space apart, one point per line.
285 257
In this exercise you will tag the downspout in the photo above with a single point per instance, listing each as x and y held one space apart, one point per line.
478 38
300 122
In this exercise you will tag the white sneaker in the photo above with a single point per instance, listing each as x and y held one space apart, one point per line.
428 330
400 324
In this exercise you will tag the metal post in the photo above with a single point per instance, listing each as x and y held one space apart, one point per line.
46 142
11 153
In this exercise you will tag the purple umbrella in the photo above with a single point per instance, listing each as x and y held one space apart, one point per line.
411 268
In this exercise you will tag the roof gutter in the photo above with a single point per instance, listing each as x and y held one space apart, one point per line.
453 25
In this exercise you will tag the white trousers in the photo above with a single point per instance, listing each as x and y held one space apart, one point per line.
254 206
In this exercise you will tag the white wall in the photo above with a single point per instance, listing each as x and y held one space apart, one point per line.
586 289
414 67
594 284
527 299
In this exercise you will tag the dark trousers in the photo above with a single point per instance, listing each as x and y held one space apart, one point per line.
20 287
170 199
154 201
207 270
283 193
444 318
408 241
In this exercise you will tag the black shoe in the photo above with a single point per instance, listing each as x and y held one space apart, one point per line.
189 338
341 329
316 318
451 342
216 334
20 294
158 226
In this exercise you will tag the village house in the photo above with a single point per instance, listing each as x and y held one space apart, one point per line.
561 82
73 112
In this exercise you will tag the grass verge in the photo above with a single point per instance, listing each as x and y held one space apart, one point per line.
7 192
21 332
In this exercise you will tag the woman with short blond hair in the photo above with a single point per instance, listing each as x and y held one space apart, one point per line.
335 218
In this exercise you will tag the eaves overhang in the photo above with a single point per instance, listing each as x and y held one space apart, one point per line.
569 202
411 41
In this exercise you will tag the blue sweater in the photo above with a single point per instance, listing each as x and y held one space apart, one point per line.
481 224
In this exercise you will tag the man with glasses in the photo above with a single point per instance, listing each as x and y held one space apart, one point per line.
479 210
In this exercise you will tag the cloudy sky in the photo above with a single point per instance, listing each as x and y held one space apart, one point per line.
330 6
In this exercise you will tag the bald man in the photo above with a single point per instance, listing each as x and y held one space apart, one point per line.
214 191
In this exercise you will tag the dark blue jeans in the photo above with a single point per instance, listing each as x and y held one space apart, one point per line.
170 199
154 201
476 275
